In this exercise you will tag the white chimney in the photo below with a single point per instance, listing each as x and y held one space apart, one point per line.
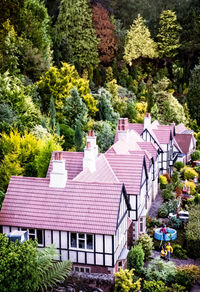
147 120
123 129
58 175
90 152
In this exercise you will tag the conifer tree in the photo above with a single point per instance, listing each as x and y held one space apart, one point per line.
168 34
74 23
138 42
105 32
193 96
52 110
78 136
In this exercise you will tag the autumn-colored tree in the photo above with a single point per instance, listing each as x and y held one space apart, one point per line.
105 32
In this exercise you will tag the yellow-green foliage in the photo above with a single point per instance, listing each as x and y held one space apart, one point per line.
20 153
163 180
58 82
190 269
119 104
189 173
141 108
191 185
124 281
138 42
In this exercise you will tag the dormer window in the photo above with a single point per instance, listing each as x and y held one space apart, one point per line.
81 241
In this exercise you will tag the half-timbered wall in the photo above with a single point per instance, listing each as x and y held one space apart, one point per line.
102 252
120 238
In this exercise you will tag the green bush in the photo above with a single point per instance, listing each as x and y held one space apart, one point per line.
147 245
168 207
193 232
197 199
2 196
160 270
175 223
135 259
187 275
197 169
178 165
195 156
192 186
162 211
154 286
179 252
167 195
176 180
152 222
68 134
190 173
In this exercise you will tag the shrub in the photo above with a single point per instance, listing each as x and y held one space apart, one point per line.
160 270
175 223
124 281
192 187
195 156
197 169
2 196
193 232
178 165
136 259
168 207
176 180
187 275
147 245
152 286
162 211
163 181
197 199
167 195
190 173
167 177
179 252
152 222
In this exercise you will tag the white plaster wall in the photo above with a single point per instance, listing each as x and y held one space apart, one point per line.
47 237
63 239
99 259
72 256
64 255
13 228
81 257
133 201
56 238
6 229
90 258
99 243
108 244
108 260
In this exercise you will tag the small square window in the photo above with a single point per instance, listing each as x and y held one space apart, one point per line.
31 236
81 235
87 270
89 241
32 231
40 236
81 243
82 270
76 269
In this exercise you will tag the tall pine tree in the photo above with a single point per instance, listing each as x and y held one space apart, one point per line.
74 23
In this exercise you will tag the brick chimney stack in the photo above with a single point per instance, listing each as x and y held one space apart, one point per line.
147 120
90 152
123 129
58 175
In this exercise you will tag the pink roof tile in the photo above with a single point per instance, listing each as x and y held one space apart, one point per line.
163 136
73 164
136 127
180 128
128 170
150 147
103 173
183 141
79 207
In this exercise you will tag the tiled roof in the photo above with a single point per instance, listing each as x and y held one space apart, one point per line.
79 207
150 147
136 127
128 170
163 136
73 164
180 128
183 141
103 173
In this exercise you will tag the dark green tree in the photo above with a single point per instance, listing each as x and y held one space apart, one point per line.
106 111
74 23
75 109
52 113
193 96
78 137
136 259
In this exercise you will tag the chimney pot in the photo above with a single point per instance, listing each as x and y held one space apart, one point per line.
60 156
92 133
147 115
89 133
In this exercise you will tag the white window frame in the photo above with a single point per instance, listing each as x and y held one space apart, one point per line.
78 269
78 238
33 234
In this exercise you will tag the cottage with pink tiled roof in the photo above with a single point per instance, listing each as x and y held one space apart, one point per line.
90 204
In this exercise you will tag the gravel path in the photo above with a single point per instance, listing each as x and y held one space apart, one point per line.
155 205
179 262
